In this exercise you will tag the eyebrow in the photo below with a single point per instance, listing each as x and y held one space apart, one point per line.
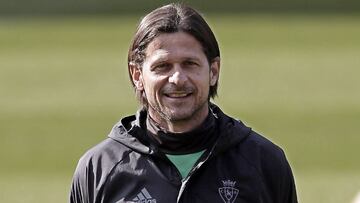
162 59
191 59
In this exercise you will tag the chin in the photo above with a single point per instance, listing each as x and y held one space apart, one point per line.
180 115
176 117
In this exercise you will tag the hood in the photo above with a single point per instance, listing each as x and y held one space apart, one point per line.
231 131
128 129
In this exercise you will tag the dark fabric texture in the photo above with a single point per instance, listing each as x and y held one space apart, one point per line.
194 141
239 166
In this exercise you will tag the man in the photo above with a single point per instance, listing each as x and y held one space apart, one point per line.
180 147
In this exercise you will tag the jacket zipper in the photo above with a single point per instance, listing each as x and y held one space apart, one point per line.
192 171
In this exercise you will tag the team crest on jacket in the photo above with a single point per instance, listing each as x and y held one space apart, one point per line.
228 193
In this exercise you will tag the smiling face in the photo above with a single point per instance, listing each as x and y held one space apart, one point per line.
176 77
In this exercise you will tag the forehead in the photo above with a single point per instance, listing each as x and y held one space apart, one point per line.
175 44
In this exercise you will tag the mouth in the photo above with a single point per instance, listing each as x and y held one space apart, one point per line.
176 95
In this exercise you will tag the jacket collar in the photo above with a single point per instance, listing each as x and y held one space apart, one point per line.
126 131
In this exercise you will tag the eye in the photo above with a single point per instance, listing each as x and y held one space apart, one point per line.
190 63
161 67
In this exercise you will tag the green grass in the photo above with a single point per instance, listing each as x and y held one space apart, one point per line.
294 78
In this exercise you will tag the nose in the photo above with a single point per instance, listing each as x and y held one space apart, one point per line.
178 77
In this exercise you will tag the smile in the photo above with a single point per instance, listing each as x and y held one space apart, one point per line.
177 94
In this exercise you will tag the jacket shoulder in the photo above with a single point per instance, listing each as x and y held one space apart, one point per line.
102 157
272 165
108 150
263 154
263 146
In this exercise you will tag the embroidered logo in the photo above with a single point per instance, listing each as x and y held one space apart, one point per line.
144 197
228 193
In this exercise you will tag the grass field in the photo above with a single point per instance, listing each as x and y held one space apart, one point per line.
294 78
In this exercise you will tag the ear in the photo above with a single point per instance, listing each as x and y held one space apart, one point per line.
214 71
136 76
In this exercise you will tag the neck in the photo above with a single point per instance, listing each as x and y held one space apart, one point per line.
183 125
192 141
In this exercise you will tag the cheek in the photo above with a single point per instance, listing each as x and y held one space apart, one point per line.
202 85
203 80
153 86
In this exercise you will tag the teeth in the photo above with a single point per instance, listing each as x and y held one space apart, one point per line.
177 95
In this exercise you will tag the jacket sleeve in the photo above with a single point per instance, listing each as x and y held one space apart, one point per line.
288 185
81 184
92 171
277 174
76 193
280 178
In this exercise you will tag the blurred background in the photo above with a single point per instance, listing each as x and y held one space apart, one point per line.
290 70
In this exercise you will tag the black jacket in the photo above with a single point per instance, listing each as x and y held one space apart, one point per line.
242 166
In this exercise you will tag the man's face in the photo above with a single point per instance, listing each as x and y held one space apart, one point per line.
176 77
